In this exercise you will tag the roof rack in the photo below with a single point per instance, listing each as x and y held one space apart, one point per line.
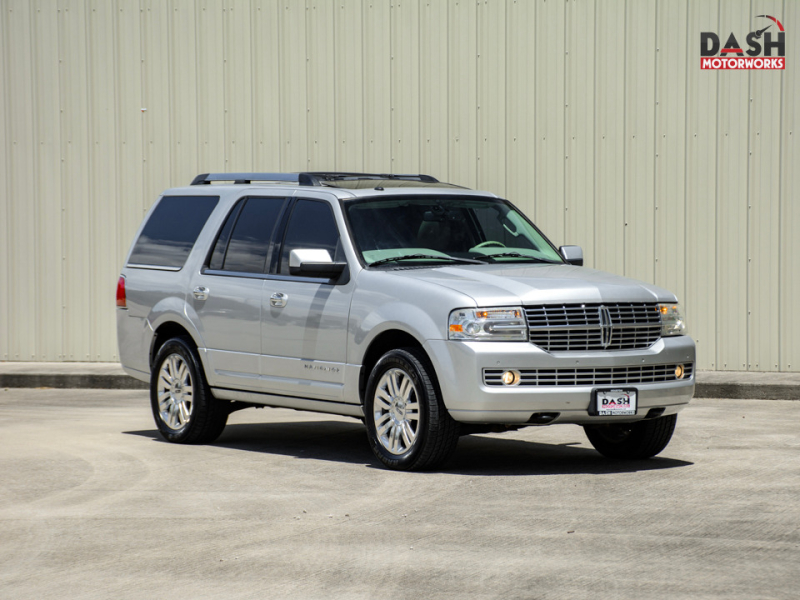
310 179
243 178
343 176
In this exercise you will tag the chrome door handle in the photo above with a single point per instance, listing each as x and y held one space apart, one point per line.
278 299
200 293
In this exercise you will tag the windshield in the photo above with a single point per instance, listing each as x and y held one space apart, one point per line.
443 230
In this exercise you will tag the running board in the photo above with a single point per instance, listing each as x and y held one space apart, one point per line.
322 406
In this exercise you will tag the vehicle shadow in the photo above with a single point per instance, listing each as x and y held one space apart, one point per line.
476 455
334 441
500 454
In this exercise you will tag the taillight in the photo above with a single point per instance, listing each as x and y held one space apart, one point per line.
121 300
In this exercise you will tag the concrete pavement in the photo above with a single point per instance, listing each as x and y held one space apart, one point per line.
94 505
710 384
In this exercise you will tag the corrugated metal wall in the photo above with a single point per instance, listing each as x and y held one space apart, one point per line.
593 116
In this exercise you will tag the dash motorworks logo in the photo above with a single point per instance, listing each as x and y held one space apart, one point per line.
766 48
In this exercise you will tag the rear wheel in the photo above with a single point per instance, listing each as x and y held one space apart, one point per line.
642 439
408 425
184 410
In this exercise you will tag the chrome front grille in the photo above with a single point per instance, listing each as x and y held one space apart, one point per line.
596 326
591 375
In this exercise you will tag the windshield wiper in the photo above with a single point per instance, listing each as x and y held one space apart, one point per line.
520 255
468 261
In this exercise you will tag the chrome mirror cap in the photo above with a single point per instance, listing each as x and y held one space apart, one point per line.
572 254
314 262
300 256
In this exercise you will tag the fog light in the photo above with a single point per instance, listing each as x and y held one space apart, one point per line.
510 378
679 372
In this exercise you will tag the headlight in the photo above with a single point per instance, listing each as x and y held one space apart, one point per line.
671 319
504 324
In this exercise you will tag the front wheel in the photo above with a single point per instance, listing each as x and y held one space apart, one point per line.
642 439
408 425
183 407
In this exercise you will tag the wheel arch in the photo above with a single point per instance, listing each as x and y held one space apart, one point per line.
383 342
166 331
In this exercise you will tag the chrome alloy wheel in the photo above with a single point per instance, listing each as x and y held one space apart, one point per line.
396 411
175 392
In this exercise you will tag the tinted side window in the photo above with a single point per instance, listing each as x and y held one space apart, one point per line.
224 236
170 233
311 225
250 239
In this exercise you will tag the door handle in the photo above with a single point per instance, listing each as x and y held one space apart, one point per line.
200 293
278 299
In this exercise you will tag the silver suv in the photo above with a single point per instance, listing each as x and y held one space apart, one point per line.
425 309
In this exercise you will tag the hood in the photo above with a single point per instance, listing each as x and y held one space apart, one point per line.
515 284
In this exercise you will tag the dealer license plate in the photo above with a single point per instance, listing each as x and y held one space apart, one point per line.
612 403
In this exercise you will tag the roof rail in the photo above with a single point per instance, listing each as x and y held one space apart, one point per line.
339 176
299 178
311 179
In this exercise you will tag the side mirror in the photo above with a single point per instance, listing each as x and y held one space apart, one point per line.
572 254
314 262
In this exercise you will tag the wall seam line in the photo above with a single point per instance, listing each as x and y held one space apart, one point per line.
685 162
594 141
655 146
117 134
37 253
564 133
420 100
391 90
505 101
748 337
447 94
197 123
717 340
59 41
535 120
625 143
89 194
254 131
142 98
477 71
6 206
780 211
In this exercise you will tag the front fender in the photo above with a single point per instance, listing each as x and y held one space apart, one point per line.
383 301
415 322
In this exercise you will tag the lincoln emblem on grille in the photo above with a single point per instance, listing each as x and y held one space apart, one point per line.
605 326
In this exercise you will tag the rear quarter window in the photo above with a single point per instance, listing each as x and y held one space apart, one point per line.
171 231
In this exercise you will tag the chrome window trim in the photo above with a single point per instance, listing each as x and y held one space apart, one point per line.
266 276
152 267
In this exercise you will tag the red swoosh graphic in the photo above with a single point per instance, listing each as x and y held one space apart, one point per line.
773 19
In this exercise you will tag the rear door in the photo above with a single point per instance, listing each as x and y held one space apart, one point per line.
226 294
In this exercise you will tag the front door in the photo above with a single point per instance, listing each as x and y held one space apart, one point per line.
303 319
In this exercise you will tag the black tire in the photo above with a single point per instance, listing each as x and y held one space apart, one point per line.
193 418
435 434
642 439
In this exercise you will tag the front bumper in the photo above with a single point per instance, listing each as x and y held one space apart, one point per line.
460 370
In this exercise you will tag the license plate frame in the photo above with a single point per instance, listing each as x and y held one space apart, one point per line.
600 405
